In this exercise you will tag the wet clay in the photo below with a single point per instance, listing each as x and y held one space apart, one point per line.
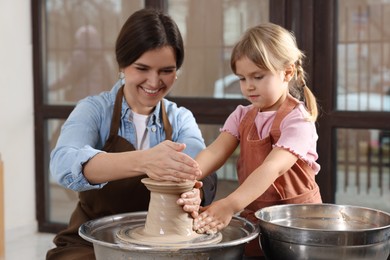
167 224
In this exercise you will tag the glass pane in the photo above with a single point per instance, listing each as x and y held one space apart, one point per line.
210 29
61 201
80 61
363 168
363 73
80 40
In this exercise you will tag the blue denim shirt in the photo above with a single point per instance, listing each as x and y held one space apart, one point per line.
87 128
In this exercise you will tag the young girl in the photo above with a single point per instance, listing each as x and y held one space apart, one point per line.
276 133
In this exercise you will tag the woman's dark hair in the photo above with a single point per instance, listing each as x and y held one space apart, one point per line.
147 29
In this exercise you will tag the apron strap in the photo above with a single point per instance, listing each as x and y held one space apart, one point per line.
116 115
288 105
167 124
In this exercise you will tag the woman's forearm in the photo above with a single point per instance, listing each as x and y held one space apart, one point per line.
165 161
105 167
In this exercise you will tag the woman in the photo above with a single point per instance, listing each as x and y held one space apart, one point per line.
113 140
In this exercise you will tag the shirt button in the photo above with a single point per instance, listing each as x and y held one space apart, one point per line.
154 129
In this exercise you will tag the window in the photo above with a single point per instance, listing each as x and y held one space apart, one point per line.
74 57
363 85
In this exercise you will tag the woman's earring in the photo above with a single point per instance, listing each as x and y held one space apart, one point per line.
121 76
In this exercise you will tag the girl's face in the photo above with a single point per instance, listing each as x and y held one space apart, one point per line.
149 79
264 89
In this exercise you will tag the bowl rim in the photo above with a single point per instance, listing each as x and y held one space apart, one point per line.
315 236
87 229
274 207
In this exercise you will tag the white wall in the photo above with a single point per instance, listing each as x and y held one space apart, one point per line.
16 117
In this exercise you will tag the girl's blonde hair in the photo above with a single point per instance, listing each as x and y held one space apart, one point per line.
273 48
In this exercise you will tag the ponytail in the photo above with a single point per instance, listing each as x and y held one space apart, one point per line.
311 104
300 88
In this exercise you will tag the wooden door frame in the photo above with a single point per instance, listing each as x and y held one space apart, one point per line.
324 78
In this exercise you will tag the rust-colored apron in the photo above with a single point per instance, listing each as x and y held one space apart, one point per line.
296 186
121 196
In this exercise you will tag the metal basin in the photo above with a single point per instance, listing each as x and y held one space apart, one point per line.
102 233
324 231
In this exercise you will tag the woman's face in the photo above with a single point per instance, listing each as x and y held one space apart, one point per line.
264 89
149 79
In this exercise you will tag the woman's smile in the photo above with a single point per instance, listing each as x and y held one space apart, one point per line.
151 92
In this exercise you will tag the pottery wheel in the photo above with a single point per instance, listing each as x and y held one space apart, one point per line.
167 224
136 235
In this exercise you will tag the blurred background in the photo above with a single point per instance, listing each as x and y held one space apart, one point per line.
55 52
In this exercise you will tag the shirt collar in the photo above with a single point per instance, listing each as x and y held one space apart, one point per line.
154 119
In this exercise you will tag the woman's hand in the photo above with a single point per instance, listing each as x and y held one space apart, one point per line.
191 200
214 217
166 161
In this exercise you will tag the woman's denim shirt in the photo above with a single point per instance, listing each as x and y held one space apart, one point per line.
87 128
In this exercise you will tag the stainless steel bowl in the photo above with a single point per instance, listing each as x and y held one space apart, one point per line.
102 233
324 231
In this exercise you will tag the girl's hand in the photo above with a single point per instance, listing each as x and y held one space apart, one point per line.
214 217
191 200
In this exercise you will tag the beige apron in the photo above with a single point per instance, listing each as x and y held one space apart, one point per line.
296 186
121 196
